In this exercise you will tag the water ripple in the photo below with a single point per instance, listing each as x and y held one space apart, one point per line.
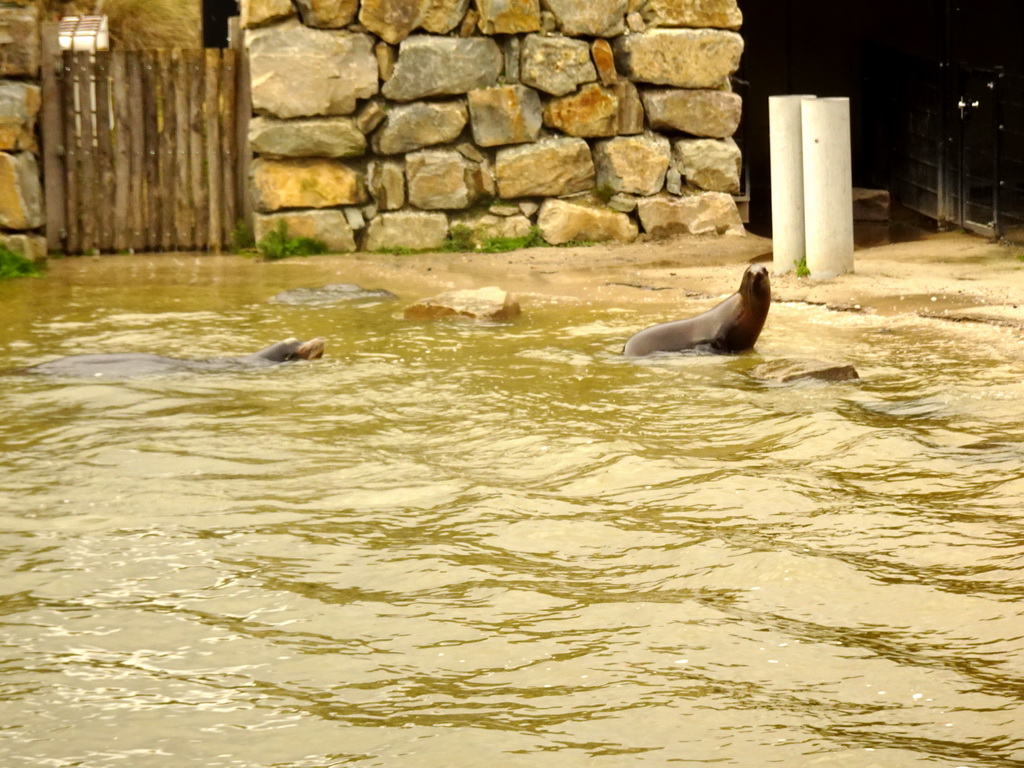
447 541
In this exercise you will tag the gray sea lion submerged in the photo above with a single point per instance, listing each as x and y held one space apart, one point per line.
730 327
127 365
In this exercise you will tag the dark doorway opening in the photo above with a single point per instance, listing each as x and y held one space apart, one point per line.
216 14
936 94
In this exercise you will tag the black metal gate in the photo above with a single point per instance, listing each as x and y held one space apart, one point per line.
985 115
954 137
976 187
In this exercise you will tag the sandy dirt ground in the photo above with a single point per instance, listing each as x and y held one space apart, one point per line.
947 276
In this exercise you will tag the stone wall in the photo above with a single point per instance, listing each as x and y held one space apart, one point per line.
21 193
386 123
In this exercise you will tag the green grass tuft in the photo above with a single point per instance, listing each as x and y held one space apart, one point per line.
399 250
14 265
242 238
801 268
277 245
460 239
531 239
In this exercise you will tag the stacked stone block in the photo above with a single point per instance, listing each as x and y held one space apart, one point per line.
385 123
21 194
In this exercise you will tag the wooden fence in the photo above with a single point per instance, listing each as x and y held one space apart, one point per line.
144 150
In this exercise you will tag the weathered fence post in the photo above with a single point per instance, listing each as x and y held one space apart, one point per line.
52 129
243 114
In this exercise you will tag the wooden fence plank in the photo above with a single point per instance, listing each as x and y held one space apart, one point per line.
213 158
85 80
197 149
183 191
229 152
151 134
137 152
243 113
121 220
51 121
73 237
168 153
104 154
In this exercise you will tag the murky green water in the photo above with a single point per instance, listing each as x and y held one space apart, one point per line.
453 545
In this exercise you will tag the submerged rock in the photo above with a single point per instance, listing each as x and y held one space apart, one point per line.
335 293
491 303
792 369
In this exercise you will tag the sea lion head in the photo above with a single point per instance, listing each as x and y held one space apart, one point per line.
312 349
293 349
745 321
756 286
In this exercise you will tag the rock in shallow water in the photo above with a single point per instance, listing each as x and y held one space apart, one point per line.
491 303
785 370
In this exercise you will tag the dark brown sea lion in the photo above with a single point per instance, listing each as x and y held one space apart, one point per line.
126 365
730 327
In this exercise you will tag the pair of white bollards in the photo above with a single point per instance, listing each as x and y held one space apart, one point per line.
812 184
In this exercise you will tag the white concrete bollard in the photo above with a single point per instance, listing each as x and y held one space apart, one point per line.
828 186
787 171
